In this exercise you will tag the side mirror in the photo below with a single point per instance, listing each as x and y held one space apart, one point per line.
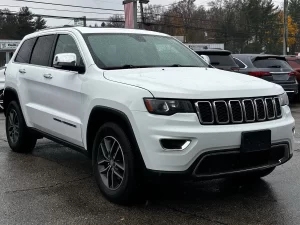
206 58
67 61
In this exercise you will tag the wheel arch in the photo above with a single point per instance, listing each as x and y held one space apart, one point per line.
102 114
9 95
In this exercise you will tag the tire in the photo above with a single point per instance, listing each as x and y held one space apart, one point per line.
19 138
115 172
1 101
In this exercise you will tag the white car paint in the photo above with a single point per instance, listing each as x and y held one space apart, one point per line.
70 97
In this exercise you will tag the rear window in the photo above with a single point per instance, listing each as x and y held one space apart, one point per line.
270 63
219 59
24 53
41 53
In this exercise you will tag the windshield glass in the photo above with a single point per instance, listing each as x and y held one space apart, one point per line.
125 51
271 63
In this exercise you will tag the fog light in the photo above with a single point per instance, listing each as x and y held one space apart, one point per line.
174 144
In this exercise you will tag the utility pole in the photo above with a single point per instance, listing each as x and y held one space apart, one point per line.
285 27
134 11
84 21
142 11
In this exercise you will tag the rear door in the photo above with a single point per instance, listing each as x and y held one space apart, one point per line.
33 82
18 74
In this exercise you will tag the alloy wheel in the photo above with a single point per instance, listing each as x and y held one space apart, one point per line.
13 126
111 163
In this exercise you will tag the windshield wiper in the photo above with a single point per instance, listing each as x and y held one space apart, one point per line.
275 66
179 65
127 66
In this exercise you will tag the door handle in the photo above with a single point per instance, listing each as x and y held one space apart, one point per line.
22 71
48 76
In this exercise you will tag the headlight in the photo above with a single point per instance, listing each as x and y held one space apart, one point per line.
283 99
168 107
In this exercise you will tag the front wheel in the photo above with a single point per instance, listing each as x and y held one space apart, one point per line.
19 138
114 165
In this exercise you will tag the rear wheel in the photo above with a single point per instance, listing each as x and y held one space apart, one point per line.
19 137
114 165
1 100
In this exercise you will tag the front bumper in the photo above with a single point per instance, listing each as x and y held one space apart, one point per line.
204 138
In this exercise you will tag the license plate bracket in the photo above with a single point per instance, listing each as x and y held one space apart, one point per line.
256 141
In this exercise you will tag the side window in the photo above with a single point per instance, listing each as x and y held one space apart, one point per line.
66 44
42 50
24 53
239 63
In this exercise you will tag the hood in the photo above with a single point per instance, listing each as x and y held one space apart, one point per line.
194 83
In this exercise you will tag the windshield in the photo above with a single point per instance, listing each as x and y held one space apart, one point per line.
271 63
125 51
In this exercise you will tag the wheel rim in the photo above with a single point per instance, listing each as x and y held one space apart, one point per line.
111 163
13 126
1 100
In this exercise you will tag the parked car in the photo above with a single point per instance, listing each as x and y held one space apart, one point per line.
139 102
294 62
2 82
220 59
271 68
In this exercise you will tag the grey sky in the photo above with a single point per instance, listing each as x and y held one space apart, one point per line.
112 4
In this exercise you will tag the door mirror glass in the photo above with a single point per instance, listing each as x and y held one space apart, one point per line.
67 61
206 58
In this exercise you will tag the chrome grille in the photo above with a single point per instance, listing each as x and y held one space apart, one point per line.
234 111
221 112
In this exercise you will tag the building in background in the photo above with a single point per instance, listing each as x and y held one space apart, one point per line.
201 46
7 48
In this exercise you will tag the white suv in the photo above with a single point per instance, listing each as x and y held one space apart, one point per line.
141 102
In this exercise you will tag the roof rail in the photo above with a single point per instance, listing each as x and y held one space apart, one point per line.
50 28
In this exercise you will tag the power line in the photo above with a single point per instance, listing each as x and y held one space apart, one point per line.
61 10
74 6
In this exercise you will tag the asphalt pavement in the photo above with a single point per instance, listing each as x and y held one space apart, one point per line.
54 185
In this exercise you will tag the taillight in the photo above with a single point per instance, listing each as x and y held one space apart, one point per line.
259 73
292 73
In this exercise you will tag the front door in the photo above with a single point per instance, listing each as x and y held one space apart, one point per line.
62 96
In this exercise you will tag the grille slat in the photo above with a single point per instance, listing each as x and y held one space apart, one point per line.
238 111
221 112
278 107
248 110
260 109
270 108
205 112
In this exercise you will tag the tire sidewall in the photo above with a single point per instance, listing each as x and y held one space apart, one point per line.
125 190
22 126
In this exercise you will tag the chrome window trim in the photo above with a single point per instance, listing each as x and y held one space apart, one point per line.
270 118
242 63
256 109
216 112
199 114
231 114
245 112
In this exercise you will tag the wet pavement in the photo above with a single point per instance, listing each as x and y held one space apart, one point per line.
54 185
